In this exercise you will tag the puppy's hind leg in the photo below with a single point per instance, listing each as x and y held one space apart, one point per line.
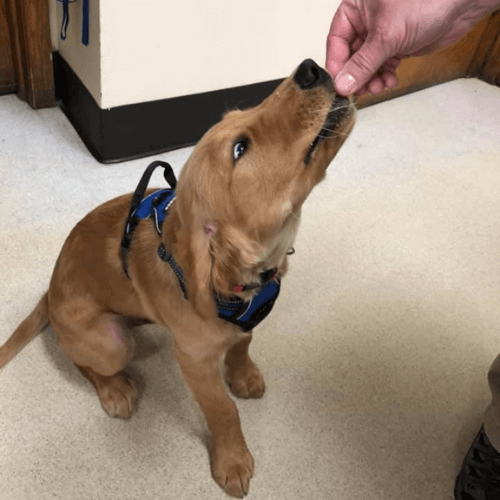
101 349
116 392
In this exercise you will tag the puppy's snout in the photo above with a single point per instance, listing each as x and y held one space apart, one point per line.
340 100
310 75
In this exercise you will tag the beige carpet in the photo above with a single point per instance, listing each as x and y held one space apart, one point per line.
375 356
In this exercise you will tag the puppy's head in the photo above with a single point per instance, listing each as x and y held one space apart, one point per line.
242 189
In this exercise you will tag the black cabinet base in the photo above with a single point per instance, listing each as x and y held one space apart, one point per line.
138 130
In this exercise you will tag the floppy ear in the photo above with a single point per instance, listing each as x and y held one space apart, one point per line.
215 256
192 209
216 260
198 276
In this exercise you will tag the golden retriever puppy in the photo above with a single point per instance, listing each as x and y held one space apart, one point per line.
207 264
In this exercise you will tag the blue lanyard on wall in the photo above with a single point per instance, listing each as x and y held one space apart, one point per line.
65 20
85 26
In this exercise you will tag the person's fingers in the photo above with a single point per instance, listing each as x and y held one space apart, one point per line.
390 80
338 53
380 82
356 45
346 24
376 85
392 64
342 38
338 43
361 67
361 91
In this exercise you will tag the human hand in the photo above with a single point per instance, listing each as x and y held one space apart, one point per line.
368 38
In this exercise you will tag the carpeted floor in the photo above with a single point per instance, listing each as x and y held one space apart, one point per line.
375 356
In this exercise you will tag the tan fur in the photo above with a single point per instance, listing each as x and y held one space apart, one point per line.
35 322
253 206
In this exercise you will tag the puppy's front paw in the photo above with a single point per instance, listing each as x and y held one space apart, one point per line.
232 470
245 381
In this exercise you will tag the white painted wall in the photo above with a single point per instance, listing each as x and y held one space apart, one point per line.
143 50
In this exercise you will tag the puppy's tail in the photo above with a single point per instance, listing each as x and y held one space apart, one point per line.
33 324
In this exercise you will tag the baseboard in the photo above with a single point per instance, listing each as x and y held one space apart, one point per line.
138 130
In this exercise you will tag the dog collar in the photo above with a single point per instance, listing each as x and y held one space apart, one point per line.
244 313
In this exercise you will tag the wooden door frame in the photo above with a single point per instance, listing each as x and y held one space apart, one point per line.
7 76
29 27
486 64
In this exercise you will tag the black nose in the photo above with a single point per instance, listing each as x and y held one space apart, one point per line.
310 75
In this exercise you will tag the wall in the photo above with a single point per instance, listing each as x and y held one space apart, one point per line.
144 50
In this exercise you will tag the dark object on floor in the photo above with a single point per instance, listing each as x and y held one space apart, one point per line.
479 478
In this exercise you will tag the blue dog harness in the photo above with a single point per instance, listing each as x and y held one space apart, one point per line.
245 314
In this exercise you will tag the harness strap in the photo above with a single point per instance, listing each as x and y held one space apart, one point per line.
243 313
146 177
167 257
137 197
248 314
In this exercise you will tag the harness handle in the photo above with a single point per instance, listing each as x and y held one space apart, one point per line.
168 173
137 197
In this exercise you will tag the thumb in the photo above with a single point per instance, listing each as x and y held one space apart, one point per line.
361 67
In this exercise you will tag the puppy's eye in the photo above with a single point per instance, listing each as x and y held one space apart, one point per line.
239 149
